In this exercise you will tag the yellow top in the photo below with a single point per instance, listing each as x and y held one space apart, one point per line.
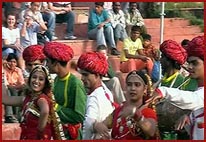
131 46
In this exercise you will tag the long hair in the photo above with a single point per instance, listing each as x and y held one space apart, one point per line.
57 127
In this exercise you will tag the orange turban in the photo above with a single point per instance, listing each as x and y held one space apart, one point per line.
58 51
174 51
33 53
93 62
196 47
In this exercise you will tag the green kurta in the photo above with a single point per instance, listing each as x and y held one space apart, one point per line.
70 96
190 84
176 83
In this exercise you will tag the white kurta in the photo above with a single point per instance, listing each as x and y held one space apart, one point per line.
98 108
189 100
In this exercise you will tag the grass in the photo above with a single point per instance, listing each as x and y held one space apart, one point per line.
179 5
178 9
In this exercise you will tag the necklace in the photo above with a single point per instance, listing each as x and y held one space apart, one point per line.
126 126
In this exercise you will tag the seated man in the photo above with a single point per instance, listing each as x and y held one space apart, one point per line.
118 22
132 56
134 17
99 27
64 13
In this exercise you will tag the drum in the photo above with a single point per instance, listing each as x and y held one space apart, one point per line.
168 114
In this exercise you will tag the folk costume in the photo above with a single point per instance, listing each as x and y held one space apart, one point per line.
190 100
166 109
99 101
69 93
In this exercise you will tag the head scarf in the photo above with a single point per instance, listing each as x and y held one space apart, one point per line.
93 62
33 53
174 51
58 51
196 47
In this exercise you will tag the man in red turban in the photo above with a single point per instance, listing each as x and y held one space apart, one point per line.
100 102
93 62
33 55
174 51
190 100
173 55
196 47
58 51
68 90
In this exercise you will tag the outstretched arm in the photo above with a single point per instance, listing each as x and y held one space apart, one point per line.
11 100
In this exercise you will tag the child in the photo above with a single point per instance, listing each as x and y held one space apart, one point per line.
14 82
132 56
153 53
38 115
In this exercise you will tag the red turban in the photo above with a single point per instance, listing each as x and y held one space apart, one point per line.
33 53
174 51
93 62
58 51
196 47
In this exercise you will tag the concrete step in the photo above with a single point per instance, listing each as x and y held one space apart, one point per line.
80 46
11 131
115 62
80 30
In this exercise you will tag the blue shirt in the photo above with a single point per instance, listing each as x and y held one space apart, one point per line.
95 19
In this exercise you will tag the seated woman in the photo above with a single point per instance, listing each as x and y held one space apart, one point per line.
132 120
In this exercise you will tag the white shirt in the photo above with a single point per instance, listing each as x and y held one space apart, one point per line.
184 99
189 100
10 35
98 108
117 18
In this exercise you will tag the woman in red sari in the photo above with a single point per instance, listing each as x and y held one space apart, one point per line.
38 114
132 120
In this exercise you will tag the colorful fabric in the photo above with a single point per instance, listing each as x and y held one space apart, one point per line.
151 52
30 120
173 81
14 77
93 62
121 131
189 84
33 53
58 51
70 97
196 47
174 51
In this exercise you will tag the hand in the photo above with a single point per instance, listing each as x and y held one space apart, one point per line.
144 58
102 130
184 120
19 47
155 97
100 25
